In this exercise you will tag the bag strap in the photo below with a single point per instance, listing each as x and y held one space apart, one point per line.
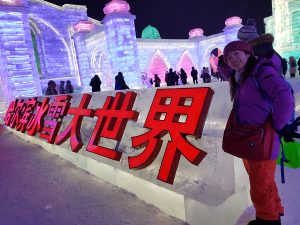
282 161
283 157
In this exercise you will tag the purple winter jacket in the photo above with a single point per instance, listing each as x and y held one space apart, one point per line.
253 108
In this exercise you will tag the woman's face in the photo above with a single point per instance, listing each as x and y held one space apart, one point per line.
237 60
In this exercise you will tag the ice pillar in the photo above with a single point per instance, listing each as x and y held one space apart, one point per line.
80 29
121 41
233 24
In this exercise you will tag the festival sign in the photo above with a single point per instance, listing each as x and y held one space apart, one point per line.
179 112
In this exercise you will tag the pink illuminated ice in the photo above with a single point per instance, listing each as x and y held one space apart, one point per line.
116 6
83 26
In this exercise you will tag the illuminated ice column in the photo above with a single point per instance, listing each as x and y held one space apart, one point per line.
121 41
19 75
233 24
196 35
80 29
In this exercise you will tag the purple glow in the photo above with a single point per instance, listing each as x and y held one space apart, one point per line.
186 63
159 67
116 6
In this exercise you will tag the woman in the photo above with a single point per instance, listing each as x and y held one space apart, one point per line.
51 88
251 107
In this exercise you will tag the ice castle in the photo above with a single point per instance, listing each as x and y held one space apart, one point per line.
284 24
41 41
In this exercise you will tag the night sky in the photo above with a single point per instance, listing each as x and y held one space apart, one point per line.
175 18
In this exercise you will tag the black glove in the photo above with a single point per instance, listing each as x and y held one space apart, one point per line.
288 132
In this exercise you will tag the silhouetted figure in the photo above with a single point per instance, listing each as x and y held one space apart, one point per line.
293 66
51 89
95 83
284 65
176 78
62 87
120 83
69 87
151 81
156 80
194 74
183 76
171 81
167 78
205 76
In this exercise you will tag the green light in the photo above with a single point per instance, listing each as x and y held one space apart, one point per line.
150 32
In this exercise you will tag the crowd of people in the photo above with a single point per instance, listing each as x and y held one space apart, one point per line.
172 77
63 89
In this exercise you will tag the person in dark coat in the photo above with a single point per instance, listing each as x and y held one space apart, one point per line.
95 83
167 78
62 87
156 80
171 77
69 87
293 65
51 89
205 76
183 76
194 74
176 78
284 66
120 83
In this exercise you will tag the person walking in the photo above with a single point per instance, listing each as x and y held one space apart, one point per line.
257 93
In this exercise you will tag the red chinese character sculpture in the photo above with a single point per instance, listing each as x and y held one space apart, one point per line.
18 113
58 109
172 104
111 123
73 129
36 123
27 115
10 112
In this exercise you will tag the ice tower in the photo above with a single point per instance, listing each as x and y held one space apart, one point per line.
18 72
121 41
284 24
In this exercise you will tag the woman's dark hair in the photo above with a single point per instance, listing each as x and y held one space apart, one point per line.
249 67
251 62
